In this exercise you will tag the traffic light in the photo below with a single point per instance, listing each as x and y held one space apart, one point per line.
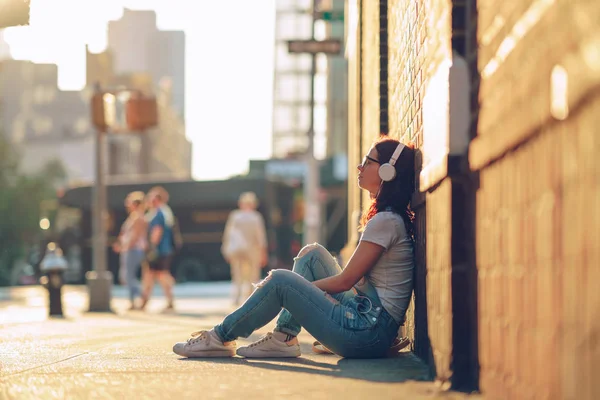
123 112
14 13
141 113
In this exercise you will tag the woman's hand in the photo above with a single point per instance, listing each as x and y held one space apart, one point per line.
264 258
116 247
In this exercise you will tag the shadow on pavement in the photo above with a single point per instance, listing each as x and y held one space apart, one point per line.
403 367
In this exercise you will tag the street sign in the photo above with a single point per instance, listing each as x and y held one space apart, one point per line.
329 46
330 15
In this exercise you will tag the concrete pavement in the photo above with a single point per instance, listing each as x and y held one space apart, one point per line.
128 355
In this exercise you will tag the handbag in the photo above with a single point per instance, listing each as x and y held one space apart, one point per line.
151 254
235 244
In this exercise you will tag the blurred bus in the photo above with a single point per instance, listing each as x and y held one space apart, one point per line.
201 209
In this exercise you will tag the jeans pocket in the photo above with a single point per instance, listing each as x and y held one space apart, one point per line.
354 320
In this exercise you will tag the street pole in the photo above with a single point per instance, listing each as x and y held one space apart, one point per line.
100 279
312 211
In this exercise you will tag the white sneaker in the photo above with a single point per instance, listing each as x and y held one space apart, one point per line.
270 347
204 344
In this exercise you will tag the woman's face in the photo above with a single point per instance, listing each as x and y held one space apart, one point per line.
132 205
129 206
368 172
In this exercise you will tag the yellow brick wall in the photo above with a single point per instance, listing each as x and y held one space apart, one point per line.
537 217
419 40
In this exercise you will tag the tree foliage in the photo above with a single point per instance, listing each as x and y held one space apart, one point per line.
20 198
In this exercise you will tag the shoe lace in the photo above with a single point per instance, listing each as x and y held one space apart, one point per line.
198 336
263 339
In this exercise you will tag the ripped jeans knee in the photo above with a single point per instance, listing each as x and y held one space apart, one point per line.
309 248
275 276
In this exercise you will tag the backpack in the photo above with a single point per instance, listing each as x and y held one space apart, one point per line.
176 237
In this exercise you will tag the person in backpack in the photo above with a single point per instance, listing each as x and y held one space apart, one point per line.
245 246
160 246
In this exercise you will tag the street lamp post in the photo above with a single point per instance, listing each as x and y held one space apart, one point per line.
99 280
312 211
138 115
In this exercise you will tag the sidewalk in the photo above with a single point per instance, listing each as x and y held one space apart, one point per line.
128 355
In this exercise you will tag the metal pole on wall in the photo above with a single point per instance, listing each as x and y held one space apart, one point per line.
312 207
99 280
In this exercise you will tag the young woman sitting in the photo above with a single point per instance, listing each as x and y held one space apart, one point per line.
354 312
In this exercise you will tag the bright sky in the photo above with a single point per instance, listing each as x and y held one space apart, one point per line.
229 66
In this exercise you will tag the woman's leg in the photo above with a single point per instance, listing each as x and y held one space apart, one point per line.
245 279
166 282
313 262
134 259
310 306
123 261
337 325
236 286
149 277
165 279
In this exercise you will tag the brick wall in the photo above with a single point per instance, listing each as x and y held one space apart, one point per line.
414 53
538 207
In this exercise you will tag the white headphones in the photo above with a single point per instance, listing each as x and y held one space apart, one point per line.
387 171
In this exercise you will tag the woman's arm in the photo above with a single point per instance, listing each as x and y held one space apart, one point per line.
157 227
363 259
156 235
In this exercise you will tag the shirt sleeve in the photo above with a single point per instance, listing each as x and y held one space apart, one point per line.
381 230
158 220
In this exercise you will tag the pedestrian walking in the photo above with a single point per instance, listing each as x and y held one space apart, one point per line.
160 246
131 245
245 246
354 312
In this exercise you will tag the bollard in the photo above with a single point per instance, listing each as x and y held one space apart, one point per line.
53 266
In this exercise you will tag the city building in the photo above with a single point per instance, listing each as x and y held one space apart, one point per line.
337 84
292 82
42 122
163 151
292 78
137 45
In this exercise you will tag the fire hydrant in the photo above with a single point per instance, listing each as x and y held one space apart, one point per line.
53 266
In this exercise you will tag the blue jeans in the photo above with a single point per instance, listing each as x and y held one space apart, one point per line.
131 261
350 324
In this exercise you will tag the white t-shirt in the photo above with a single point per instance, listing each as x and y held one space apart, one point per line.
392 276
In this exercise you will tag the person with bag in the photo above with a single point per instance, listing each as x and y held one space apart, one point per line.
354 312
245 246
160 246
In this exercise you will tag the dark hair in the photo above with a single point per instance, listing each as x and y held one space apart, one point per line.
395 194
